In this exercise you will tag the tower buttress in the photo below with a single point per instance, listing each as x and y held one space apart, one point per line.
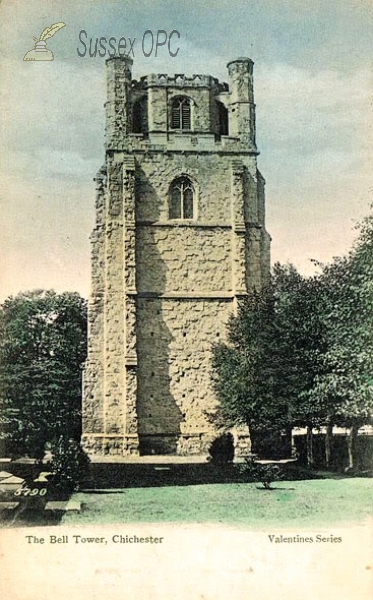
118 114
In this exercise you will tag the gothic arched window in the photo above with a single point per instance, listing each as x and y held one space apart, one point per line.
140 115
181 199
181 113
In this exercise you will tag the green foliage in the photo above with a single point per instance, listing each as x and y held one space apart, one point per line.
69 464
221 450
346 383
243 368
300 352
266 474
42 349
272 356
300 342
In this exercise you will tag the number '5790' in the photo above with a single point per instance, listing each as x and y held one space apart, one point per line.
25 491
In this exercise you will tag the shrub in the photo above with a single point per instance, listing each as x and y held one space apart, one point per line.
221 450
264 474
69 464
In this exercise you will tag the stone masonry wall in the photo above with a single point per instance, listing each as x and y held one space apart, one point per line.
213 257
210 173
183 259
175 338
207 258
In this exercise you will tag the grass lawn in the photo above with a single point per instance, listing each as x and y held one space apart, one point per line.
307 503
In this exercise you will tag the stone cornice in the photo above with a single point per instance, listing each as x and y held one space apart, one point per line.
237 227
198 295
160 149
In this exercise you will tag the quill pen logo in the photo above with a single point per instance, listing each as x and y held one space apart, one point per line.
40 51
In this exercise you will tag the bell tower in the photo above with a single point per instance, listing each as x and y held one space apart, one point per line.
179 239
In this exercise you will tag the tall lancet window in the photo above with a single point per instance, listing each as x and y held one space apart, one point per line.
181 114
181 199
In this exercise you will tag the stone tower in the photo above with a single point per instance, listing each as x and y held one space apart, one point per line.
179 239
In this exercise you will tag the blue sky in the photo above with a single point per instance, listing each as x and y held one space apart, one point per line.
313 90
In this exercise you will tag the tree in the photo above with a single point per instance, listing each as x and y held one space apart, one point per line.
42 349
301 341
246 369
264 374
346 383
300 353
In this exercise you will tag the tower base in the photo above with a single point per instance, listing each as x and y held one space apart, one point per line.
96 444
190 444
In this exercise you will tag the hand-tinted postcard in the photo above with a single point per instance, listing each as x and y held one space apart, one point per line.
186 343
